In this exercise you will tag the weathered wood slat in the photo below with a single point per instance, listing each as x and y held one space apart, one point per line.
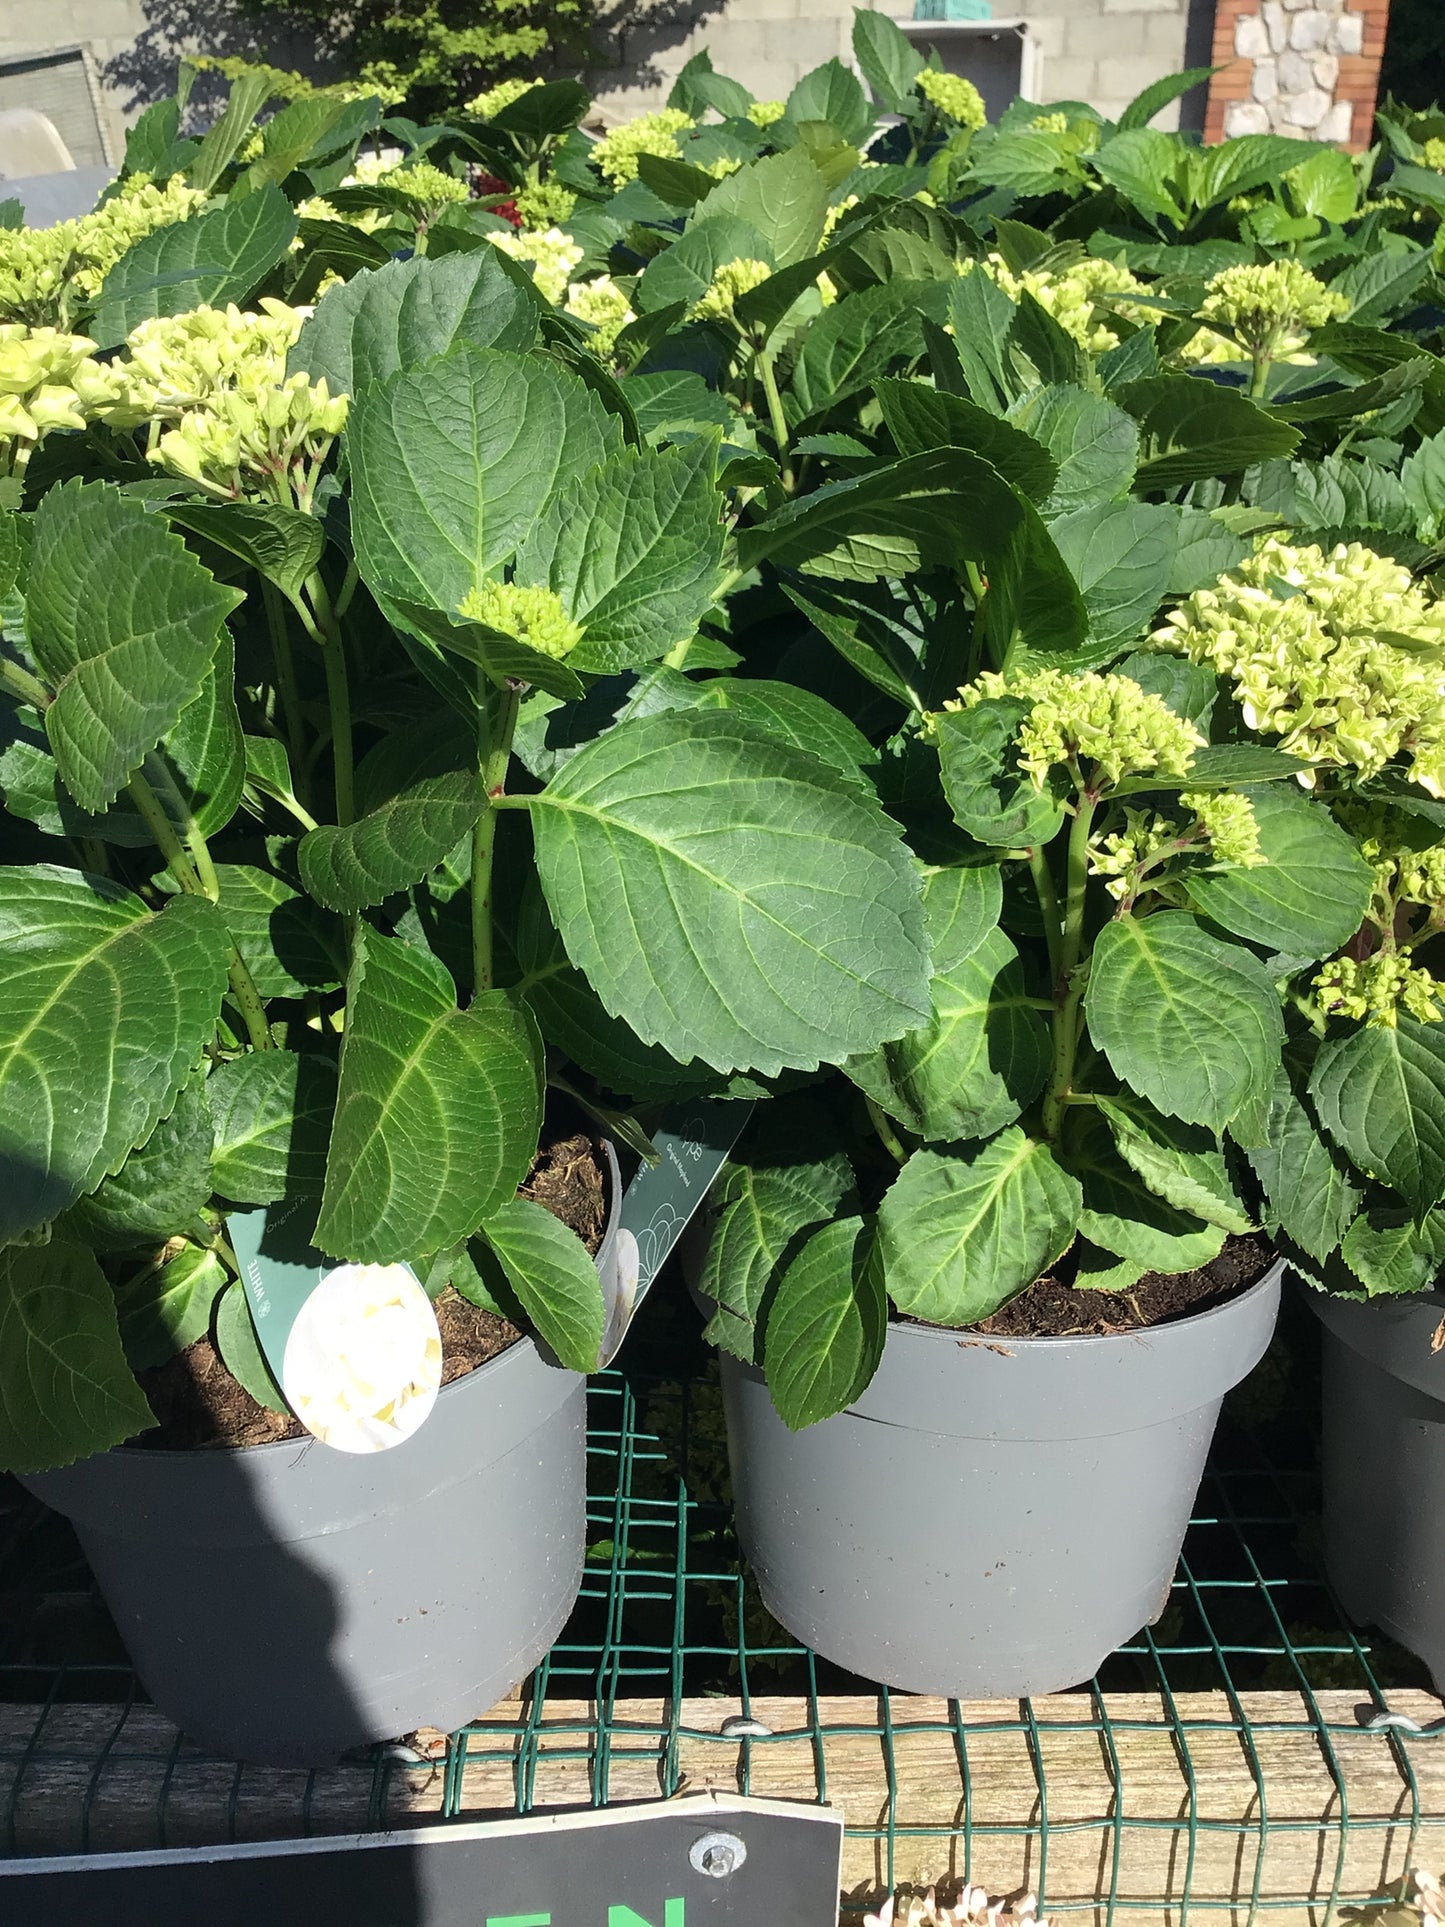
1267 1805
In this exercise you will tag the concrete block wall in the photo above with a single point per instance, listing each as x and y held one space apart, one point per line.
1101 51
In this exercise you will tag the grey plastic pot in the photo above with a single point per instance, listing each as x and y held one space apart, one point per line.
1383 1459
284 1602
991 1518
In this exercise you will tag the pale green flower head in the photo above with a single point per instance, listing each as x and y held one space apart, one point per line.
766 113
1106 721
1082 297
426 187
1230 824
617 153
604 306
955 98
490 103
1272 308
1433 153
551 254
544 204
1056 123
45 271
534 616
1318 648
731 281
1375 989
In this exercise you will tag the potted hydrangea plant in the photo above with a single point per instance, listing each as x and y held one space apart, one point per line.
290 927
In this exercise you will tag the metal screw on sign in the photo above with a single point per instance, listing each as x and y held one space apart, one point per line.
717 1854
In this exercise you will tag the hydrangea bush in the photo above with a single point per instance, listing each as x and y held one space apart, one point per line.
309 545
931 624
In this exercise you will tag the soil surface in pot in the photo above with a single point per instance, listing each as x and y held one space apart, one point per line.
1052 1307
198 1403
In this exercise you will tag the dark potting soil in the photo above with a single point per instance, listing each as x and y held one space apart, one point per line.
198 1403
1054 1308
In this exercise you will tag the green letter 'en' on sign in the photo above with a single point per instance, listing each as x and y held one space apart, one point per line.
672 1915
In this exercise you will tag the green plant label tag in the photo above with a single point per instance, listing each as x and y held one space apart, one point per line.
692 1144
354 1348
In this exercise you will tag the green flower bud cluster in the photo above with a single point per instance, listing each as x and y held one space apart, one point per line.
490 103
46 273
544 204
551 254
426 188
1107 721
955 98
1433 153
1057 123
534 616
766 113
240 439
1230 824
1272 309
1079 297
1404 872
1309 640
616 154
238 424
1226 821
1375 989
604 306
1121 855
729 283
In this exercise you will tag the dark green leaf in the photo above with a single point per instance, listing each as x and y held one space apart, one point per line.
123 621
240 1349
1190 1023
65 1388
215 257
159 1191
283 544
731 898
438 1109
1380 1093
1193 428
1310 1194
889 60
76 1096
453 462
919 418
1121 555
404 314
1179 1162
169 1306
634 550
991 798
1312 893
362 864
556 1282
271 1114
827 1325
1095 445
961 1236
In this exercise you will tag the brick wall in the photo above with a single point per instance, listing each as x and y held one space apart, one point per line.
1307 68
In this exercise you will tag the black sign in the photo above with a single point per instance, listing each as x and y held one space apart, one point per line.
674 1863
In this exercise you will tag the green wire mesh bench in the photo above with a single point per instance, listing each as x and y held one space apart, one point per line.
1219 1768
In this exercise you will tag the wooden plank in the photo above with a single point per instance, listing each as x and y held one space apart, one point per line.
989 1797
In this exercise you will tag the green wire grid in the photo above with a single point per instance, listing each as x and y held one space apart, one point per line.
669 1628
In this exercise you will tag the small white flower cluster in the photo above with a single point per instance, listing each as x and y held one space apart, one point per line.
971 1908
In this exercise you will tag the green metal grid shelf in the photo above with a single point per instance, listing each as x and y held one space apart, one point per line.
1217 1769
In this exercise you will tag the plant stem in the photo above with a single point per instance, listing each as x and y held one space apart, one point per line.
494 753
325 630
1259 376
1044 890
887 1136
1069 990
285 663
195 880
24 687
776 416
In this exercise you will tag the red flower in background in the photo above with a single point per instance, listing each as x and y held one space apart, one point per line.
488 184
